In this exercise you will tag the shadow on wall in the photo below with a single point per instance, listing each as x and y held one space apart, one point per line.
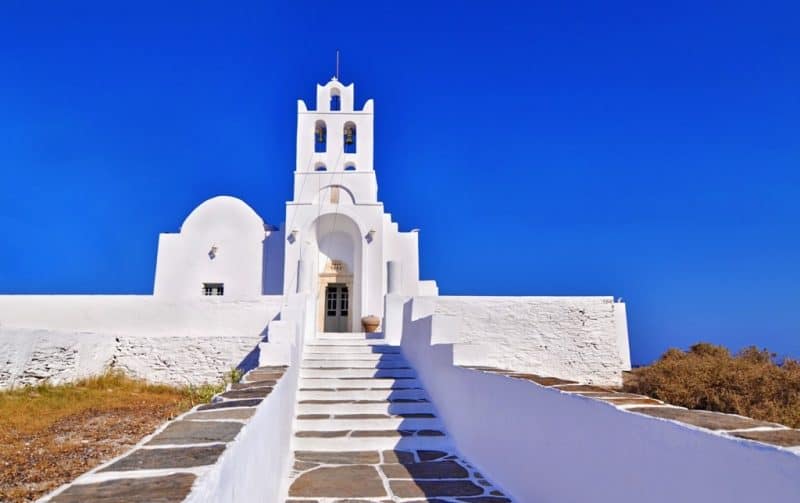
272 263
250 361
421 463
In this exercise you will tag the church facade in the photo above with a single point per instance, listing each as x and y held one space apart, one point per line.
337 244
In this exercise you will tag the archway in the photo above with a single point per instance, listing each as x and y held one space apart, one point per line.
337 273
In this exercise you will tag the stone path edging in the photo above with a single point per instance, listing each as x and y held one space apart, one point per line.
165 465
731 426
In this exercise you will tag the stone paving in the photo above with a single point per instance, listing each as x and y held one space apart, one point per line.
726 424
366 431
164 467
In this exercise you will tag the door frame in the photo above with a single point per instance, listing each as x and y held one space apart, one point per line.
335 272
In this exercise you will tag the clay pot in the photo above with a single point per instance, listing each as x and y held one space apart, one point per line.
371 323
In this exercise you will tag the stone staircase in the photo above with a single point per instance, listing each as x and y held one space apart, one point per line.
366 428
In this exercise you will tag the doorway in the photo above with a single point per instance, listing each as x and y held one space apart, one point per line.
337 307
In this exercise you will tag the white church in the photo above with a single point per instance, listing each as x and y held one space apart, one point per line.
365 384
338 243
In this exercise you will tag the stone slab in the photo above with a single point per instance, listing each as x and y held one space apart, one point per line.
784 438
431 455
583 387
440 488
426 470
702 418
321 433
404 457
167 489
339 458
247 393
253 384
240 414
348 481
641 400
543 380
197 432
230 403
177 457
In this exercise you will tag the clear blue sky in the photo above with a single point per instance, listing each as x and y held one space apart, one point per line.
564 148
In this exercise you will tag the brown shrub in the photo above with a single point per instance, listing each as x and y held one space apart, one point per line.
708 377
50 434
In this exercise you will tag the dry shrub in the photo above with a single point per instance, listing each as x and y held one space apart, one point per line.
708 377
49 434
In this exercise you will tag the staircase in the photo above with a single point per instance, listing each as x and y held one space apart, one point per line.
365 428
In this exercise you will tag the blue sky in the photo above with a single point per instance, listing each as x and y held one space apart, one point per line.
561 148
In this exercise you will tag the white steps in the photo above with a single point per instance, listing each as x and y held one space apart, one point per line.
396 363
340 444
384 423
371 383
358 393
361 373
351 349
362 357
381 407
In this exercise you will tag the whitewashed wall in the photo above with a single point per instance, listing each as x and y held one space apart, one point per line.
578 338
64 337
244 253
255 468
540 444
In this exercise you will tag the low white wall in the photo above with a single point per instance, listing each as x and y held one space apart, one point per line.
63 337
540 444
578 338
255 468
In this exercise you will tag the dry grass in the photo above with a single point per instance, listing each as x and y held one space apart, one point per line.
51 434
709 377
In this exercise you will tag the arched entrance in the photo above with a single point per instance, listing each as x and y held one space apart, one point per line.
338 273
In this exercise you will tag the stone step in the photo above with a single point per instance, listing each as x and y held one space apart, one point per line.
351 348
365 443
361 394
341 336
382 407
372 357
356 372
347 342
369 422
397 363
370 383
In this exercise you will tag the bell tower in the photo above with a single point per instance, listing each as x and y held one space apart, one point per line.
335 142
341 248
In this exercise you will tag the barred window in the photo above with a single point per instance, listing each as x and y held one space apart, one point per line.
210 289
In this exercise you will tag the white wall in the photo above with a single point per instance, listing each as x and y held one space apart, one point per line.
255 468
63 337
540 444
577 338
243 250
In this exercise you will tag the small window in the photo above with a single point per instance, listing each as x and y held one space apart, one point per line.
320 167
213 289
350 167
320 137
336 102
349 138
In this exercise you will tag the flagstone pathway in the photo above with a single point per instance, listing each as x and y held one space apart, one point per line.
366 431
163 467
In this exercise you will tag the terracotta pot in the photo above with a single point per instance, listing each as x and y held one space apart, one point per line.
371 323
